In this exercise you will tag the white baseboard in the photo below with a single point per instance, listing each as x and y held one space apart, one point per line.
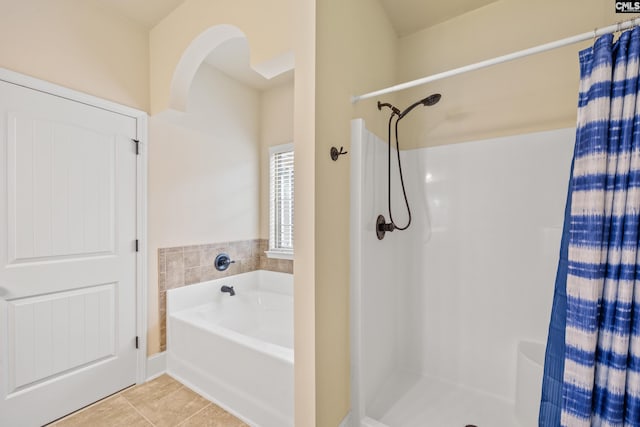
346 422
156 365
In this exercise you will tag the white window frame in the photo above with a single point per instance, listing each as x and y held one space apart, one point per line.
274 224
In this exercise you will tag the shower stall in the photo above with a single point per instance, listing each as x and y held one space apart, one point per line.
441 312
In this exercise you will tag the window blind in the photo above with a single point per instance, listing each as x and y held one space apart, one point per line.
281 199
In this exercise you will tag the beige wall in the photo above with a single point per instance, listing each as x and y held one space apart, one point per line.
203 173
355 50
78 45
267 25
276 127
304 310
530 94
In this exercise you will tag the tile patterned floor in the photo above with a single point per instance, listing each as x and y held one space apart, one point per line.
162 402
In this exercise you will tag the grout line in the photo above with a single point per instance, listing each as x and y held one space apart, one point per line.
194 414
161 397
174 391
138 412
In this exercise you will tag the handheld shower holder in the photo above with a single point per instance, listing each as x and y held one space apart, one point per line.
382 227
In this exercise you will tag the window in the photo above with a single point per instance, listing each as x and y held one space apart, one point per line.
281 202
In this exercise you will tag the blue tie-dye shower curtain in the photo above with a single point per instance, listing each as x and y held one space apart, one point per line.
592 363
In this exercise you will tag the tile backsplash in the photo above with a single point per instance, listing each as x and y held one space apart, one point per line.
186 265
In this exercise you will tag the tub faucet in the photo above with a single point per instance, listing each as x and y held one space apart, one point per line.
229 289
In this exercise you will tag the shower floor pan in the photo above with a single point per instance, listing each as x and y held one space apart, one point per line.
420 402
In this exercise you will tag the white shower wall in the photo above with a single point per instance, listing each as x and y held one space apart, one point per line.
378 299
451 297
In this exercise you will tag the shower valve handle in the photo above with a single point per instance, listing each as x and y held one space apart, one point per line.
222 262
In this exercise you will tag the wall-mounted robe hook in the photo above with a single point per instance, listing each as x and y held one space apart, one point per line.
335 153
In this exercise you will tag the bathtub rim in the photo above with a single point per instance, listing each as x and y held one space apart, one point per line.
256 280
259 284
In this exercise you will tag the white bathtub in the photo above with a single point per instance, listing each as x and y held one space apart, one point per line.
529 382
236 350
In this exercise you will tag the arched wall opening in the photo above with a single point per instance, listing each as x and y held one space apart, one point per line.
202 47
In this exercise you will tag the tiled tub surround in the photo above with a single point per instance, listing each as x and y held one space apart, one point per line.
186 265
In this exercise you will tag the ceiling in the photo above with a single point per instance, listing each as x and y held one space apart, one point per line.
232 57
406 16
145 12
409 16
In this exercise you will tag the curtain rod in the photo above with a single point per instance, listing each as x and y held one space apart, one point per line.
500 59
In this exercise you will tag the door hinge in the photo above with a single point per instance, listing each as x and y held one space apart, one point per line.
137 343
137 245
137 142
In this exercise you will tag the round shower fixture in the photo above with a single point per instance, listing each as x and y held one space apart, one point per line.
427 102
381 225
222 262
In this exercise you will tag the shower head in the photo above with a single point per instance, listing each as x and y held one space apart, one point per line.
431 99
427 102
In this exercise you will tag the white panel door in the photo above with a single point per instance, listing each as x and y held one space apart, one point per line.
67 255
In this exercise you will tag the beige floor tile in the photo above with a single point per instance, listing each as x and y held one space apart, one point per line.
152 391
172 409
213 416
112 412
164 402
